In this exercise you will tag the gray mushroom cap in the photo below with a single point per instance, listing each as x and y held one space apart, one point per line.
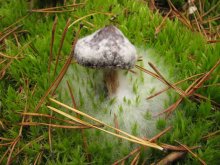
106 48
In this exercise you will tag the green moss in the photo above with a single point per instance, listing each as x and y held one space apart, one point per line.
178 46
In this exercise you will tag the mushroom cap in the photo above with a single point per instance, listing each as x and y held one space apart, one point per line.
106 48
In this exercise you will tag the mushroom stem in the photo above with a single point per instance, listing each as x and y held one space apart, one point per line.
111 81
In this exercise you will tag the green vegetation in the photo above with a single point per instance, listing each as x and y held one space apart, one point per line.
25 79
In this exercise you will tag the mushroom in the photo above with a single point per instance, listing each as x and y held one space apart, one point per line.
106 49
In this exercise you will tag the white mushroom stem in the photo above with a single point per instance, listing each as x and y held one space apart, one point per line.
111 80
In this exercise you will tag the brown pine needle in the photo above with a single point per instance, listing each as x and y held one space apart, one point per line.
17 21
211 134
129 138
191 89
139 148
177 83
10 32
149 72
116 123
85 144
211 9
158 29
181 92
56 125
193 154
5 144
127 156
57 7
136 159
38 158
199 96
28 144
47 116
6 139
52 42
10 57
89 15
56 82
98 121
168 159
12 149
61 44
177 148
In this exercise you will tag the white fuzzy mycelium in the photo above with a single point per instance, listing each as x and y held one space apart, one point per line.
105 48
133 111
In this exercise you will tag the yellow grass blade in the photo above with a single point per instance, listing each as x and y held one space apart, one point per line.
139 141
94 119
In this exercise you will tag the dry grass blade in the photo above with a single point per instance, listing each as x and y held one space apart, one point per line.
56 82
189 150
52 42
171 158
61 44
129 138
94 119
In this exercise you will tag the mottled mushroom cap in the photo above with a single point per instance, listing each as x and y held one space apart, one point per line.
105 48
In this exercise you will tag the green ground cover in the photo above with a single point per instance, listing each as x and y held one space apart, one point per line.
25 79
